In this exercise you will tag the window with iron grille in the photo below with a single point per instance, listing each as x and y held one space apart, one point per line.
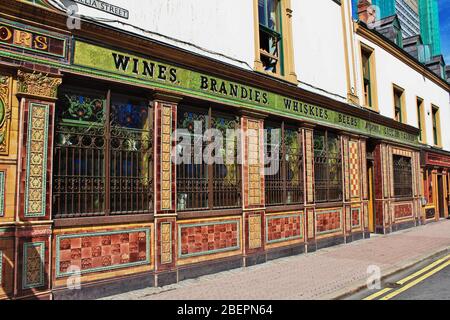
284 165
327 166
403 186
206 180
103 155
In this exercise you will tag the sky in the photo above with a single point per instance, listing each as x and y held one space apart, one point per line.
444 12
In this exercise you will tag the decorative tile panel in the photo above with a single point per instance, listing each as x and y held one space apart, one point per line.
346 168
348 219
366 216
328 221
311 228
2 193
166 158
33 265
208 238
403 211
254 232
5 113
356 218
364 170
281 228
355 174
102 251
36 170
166 242
254 163
309 159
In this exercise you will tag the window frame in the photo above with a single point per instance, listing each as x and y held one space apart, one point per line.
283 167
340 187
210 194
436 125
402 99
370 53
107 96
401 177
285 65
421 119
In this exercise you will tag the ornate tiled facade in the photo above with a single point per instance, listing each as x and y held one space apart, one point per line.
208 238
354 169
284 228
356 218
5 113
254 225
328 221
36 172
166 242
403 211
166 158
33 265
2 192
102 251
254 163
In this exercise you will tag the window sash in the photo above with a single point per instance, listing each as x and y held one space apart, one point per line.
403 184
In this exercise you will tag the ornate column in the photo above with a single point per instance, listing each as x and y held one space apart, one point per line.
165 108
37 93
310 216
253 190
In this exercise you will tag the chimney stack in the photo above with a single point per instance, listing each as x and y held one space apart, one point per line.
366 12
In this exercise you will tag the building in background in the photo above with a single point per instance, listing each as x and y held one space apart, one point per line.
429 25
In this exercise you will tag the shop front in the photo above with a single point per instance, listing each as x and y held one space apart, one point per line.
142 165
435 170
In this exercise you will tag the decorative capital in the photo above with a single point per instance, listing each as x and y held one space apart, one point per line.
38 85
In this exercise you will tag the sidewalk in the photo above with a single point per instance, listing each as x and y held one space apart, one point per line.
326 274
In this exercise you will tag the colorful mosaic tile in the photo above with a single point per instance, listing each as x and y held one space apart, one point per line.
208 238
311 228
354 169
36 180
254 169
101 251
402 211
166 242
254 225
2 193
356 217
328 221
166 158
283 228
33 265
309 166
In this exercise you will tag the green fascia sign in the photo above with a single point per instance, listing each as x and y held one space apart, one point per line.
121 66
106 61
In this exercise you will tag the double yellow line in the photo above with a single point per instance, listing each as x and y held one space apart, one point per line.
405 283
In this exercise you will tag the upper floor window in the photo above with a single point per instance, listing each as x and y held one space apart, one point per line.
209 174
270 36
284 153
399 105
327 166
368 75
436 126
402 177
421 120
103 154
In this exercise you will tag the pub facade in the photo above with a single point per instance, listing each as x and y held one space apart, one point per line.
127 163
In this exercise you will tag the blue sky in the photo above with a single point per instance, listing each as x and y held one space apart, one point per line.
444 12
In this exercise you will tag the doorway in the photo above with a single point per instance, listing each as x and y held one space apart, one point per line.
371 206
441 197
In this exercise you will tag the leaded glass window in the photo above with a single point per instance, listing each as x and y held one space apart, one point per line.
102 155
402 177
284 165
208 177
327 166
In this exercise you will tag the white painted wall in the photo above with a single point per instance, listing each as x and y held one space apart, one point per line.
390 70
319 45
219 29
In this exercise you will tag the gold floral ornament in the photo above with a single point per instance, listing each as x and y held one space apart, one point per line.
5 113
38 84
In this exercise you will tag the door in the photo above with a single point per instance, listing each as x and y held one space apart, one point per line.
370 172
441 197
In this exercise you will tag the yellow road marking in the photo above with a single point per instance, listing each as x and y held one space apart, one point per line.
418 273
415 282
378 294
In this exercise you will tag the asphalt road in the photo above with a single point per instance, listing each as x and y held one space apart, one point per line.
429 280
